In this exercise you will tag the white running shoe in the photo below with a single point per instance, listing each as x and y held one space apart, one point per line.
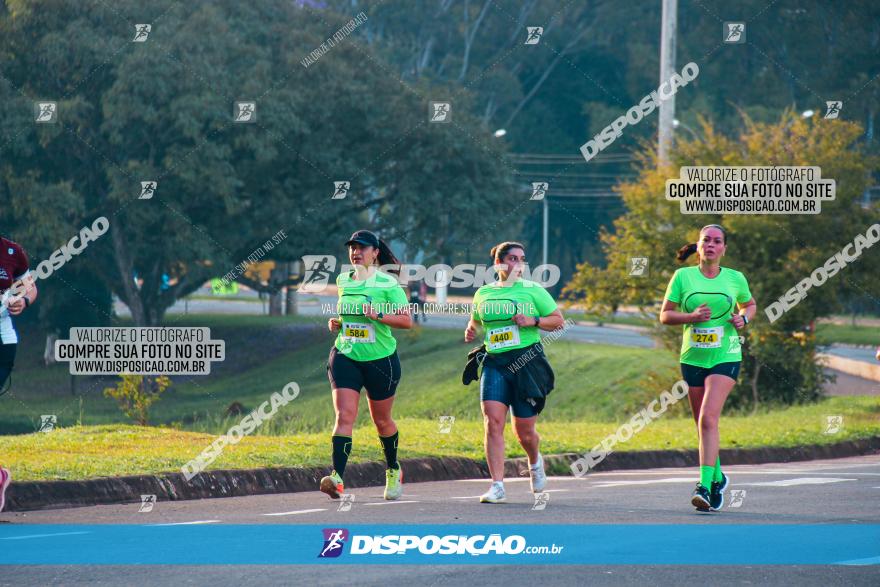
5 478
537 476
494 495
393 483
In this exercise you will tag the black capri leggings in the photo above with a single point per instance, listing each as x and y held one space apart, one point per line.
7 359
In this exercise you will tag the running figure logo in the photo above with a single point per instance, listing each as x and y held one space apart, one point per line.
147 189
832 109
539 190
534 35
318 269
346 500
638 266
334 540
245 112
737 496
147 503
541 501
340 190
446 423
833 424
141 32
48 422
46 112
734 343
734 32
440 112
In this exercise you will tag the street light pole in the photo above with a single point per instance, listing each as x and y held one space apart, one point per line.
668 32
546 225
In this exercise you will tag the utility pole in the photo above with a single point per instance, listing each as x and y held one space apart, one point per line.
668 31
546 228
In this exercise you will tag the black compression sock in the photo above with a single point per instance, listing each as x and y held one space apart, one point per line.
341 450
389 446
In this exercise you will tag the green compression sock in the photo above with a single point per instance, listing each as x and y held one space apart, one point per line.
706 474
717 478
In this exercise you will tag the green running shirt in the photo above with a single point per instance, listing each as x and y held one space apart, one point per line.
706 344
495 305
361 338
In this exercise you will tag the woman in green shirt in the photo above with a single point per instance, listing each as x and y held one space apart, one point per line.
364 355
511 312
702 299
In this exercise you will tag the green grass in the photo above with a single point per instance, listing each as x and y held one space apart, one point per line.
594 382
252 300
626 320
209 298
597 387
92 451
848 334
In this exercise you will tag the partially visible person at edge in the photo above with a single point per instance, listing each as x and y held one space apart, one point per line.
14 271
516 375
714 306
364 355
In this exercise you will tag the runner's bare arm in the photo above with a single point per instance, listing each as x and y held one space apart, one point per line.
670 315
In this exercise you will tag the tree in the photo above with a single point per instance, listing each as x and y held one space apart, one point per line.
162 110
773 251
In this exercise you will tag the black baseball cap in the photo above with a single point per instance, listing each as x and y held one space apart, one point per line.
364 237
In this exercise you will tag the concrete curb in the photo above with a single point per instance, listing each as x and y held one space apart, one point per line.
36 495
869 371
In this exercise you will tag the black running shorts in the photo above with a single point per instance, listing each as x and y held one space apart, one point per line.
380 376
696 376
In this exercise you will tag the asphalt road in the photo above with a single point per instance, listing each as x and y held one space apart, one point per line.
844 491
866 355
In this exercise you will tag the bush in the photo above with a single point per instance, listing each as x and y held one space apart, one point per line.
136 393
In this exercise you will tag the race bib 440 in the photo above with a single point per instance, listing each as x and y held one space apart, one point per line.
503 337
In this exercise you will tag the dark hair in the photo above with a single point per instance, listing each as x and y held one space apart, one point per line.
387 257
500 250
691 248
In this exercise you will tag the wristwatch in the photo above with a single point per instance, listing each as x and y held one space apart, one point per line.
537 320
379 316
745 319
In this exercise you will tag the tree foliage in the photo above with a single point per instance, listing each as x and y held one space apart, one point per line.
774 252
162 110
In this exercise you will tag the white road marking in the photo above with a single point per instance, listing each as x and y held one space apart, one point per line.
390 502
42 535
874 560
798 481
732 468
691 479
511 480
295 512
188 523
479 496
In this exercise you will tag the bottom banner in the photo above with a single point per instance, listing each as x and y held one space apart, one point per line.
739 544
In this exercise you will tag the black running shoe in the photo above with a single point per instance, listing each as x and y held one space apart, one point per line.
716 494
700 498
